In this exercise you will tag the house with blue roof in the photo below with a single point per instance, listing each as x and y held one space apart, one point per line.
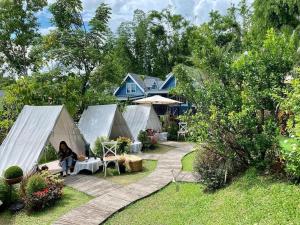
140 86
136 86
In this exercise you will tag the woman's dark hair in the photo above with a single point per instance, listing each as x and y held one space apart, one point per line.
63 143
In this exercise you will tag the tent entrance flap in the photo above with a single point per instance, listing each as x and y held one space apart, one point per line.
65 130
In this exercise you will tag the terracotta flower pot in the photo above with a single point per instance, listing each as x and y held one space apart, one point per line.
14 180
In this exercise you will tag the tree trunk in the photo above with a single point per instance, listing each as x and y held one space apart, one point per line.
84 89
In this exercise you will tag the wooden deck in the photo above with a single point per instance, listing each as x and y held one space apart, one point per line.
110 198
53 167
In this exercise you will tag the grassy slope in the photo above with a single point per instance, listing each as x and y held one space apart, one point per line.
70 200
249 200
188 161
128 178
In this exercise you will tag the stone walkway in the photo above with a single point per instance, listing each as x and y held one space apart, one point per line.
110 197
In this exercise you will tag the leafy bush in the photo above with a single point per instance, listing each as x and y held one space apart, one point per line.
13 172
172 130
35 183
97 149
123 145
146 141
290 105
5 196
48 155
215 169
45 191
4 193
238 101
291 157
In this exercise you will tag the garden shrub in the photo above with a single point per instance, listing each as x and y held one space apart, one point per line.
123 145
97 149
4 193
35 183
13 172
236 93
47 190
291 157
145 139
172 130
5 196
48 155
215 169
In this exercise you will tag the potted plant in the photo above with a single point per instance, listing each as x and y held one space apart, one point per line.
123 145
97 149
144 139
13 175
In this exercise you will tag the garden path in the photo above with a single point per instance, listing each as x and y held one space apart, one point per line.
110 197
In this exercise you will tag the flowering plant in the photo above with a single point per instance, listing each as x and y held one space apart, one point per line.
41 199
123 145
41 194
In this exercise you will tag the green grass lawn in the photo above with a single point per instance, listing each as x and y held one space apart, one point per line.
128 177
188 161
159 149
251 199
71 199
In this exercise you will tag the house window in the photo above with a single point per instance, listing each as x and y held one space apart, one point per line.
130 88
154 86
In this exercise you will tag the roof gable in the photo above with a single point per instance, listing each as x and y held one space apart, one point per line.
135 79
170 81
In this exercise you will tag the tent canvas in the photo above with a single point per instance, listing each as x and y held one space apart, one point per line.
103 121
35 127
141 117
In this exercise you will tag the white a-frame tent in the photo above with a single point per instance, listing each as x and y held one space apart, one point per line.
141 117
103 121
35 127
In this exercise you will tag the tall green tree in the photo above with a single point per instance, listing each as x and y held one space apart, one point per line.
18 33
235 88
153 43
74 45
277 14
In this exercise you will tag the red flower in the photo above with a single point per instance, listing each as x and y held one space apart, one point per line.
41 193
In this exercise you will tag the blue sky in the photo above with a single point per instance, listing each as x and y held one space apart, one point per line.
196 11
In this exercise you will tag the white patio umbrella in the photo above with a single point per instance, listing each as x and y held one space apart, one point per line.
157 100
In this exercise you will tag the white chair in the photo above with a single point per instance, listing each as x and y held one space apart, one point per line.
183 130
110 155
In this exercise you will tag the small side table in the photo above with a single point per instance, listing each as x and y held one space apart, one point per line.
136 147
163 136
90 164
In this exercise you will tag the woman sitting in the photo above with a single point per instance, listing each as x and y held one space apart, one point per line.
67 158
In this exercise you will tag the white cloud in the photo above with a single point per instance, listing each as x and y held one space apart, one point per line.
122 10
46 30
